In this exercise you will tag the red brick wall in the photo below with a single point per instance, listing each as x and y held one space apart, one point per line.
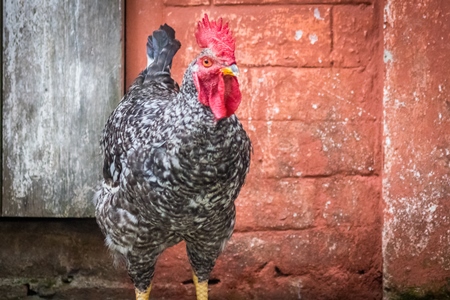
309 217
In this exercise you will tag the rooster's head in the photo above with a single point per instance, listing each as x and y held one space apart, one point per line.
215 69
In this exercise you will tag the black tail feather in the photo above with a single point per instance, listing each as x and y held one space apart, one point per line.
161 48
159 40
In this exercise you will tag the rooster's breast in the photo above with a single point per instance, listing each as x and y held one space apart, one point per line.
191 174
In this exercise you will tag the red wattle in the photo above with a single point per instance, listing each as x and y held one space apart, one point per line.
222 95
232 94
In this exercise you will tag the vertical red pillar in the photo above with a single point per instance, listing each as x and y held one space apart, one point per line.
416 177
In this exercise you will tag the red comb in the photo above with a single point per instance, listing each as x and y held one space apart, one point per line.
217 37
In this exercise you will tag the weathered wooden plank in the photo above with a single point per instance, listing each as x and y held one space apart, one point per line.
62 66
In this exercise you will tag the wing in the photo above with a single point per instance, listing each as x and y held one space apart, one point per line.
146 98
129 127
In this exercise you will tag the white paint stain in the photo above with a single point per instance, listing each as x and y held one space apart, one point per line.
332 247
387 57
398 104
317 14
327 204
433 207
256 242
387 141
298 35
388 14
276 110
313 38
299 286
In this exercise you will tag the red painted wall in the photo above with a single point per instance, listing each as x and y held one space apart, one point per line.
416 176
309 218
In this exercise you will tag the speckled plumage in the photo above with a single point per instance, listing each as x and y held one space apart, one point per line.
171 171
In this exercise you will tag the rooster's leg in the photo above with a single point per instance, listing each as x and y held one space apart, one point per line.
203 250
145 295
201 288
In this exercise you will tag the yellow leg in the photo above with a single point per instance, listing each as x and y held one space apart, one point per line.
201 288
145 295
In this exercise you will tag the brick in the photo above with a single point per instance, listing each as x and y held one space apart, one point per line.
265 35
262 260
296 149
308 94
348 201
286 149
266 204
246 253
299 203
355 36
186 2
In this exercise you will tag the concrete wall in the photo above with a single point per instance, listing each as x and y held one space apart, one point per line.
57 259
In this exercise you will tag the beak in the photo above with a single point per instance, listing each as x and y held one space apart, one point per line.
230 71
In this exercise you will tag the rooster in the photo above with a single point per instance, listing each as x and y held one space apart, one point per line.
175 159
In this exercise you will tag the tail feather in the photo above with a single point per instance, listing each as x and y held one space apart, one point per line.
159 40
161 48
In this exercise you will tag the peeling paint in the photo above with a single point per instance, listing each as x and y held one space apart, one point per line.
313 38
387 57
317 14
298 35
388 14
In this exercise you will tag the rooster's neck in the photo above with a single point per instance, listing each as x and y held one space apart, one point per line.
188 103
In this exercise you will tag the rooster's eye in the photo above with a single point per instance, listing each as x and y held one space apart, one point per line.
207 62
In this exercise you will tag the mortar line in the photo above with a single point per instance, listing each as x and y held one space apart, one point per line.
296 230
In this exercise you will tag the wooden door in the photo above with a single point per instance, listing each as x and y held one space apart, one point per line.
62 77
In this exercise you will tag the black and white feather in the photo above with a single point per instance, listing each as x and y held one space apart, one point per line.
171 171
